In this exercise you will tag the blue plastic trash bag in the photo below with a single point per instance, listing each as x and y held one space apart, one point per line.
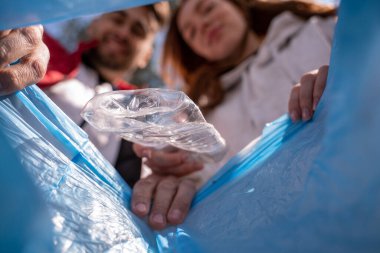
311 187
24 224
87 200
27 12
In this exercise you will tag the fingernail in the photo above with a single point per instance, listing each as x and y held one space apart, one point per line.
141 207
294 116
147 153
315 104
305 114
175 215
184 156
158 218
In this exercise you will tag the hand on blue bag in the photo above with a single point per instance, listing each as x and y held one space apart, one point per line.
305 95
165 200
25 46
164 197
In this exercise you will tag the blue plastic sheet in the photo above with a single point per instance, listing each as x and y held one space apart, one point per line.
27 12
87 200
311 187
24 226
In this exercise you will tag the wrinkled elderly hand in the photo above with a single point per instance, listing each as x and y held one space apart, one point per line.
168 162
306 94
26 45
165 199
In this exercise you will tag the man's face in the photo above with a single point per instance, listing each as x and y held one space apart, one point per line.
125 38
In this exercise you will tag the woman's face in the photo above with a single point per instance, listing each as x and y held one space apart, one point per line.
214 29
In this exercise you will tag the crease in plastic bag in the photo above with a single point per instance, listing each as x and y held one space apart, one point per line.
24 226
158 118
87 200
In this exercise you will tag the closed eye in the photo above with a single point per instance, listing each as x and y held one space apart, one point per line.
208 8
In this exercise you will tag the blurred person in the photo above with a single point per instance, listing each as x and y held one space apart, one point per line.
242 58
239 60
124 43
119 43
173 194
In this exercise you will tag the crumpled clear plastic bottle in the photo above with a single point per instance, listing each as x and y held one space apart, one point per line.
158 118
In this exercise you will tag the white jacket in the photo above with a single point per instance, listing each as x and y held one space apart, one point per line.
72 95
263 82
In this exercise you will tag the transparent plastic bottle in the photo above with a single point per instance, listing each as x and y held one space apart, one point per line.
158 118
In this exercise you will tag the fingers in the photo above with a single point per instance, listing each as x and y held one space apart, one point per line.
189 166
29 70
142 194
168 162
166 199
172 202
163 198
306 95
320 85
161 158
184 168
182 201
18 43
25 45
4 33
294 106
138 149
301 99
